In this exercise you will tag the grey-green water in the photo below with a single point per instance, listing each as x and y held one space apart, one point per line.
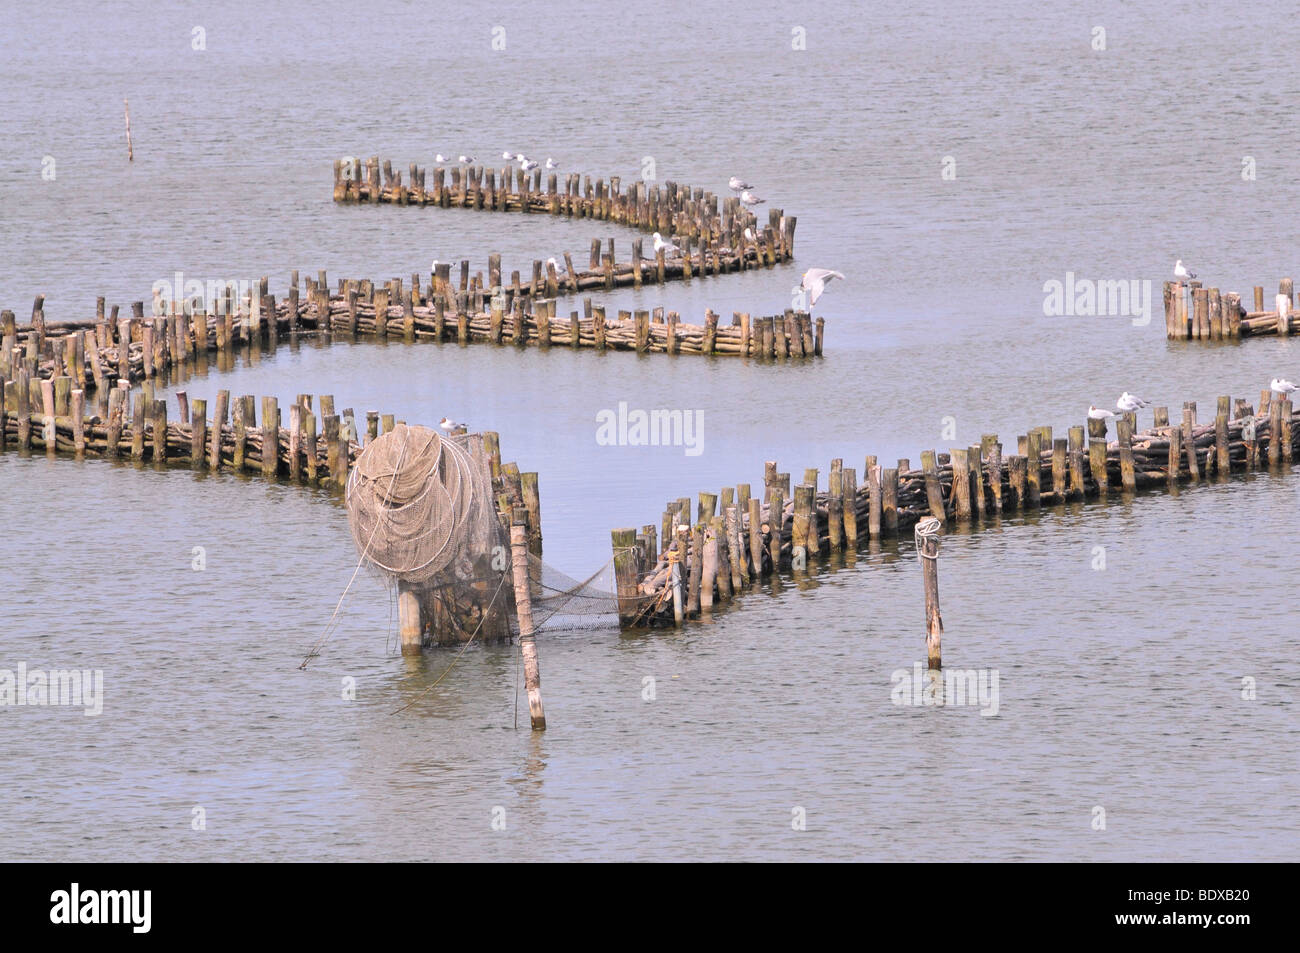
1119 688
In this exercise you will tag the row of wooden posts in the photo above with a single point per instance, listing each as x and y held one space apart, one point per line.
100 351
687 564
700 221
1194 312
40 414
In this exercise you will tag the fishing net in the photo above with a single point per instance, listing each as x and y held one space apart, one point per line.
419 504
421 511
561 602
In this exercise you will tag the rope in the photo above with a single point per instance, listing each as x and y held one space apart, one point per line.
315 649
458 654
927 529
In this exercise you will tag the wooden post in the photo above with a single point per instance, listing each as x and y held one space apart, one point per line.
933 489
524 613
78 419
130 151
927 548
889 498
776 526
623 541
410 622
961 500
198 433
1189 443
1034 467
270 437
1124 434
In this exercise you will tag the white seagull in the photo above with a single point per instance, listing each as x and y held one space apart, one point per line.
528 165
737 184
450 425
1180 272
559 269
551 163
1279 386
466 160
748 234
815 280
507 155
667 247
1130 402
1096 413
439 157
749 198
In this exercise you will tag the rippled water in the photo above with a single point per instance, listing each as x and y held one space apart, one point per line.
1119 688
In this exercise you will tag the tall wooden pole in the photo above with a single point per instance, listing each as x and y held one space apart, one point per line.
927 547
524 612
130 153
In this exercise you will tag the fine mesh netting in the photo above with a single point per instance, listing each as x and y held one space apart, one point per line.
562 602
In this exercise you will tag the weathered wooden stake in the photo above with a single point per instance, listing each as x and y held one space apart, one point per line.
524 613
927 548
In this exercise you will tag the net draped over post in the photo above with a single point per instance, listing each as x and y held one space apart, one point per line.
419 504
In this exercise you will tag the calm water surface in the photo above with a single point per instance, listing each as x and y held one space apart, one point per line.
1119 688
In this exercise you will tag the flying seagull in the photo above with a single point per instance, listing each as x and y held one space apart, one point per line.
1180 272
815 280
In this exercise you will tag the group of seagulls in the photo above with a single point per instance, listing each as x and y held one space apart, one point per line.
746 191
525 163
1127 403
1131 403
814 280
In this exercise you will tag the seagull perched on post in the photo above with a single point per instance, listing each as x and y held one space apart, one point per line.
737 184
551 163
1129 403
749 198
507 155
1279 386
466 160
1180 272
528 165
667 247
450 426
439 157
1096 413
814 282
